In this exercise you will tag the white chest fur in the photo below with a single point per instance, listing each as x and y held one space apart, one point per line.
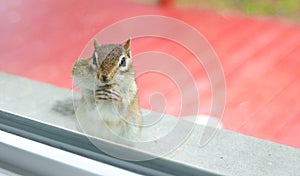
103 120
107 111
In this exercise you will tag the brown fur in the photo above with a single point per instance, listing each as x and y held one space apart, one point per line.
119 92
109 66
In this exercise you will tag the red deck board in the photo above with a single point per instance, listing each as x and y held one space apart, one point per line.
206 18
266 85
288 134
285 95
247 47
290 97
239 32
260 58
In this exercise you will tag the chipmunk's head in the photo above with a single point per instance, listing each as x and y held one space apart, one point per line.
111 60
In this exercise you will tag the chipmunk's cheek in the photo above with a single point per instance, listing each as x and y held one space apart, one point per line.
102 76
93 68
123 69
113 73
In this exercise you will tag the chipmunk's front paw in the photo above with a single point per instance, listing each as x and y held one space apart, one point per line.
107 94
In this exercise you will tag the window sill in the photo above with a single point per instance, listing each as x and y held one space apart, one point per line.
227 153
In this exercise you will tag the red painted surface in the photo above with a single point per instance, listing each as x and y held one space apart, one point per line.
41 39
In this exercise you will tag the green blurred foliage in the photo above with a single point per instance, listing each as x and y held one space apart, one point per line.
289 9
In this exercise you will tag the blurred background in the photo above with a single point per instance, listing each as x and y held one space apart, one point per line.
257 42
285 10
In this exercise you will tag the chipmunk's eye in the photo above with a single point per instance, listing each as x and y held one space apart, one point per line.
123 62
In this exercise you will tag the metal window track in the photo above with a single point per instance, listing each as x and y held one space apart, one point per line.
80 145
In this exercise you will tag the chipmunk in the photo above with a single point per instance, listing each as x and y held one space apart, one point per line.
109 103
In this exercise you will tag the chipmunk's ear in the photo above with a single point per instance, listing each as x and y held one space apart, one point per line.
127 47
96 44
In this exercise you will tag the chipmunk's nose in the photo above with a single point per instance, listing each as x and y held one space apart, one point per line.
104 78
